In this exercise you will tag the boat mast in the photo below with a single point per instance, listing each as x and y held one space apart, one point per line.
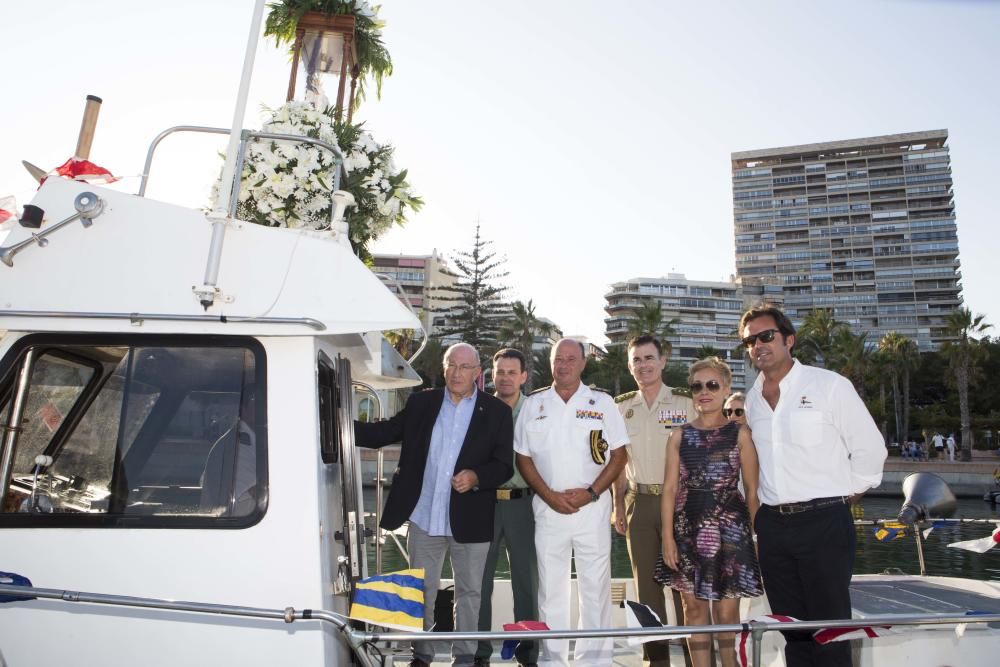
221 213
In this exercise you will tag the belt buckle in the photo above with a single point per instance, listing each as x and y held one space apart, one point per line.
790 508
503 494
654 489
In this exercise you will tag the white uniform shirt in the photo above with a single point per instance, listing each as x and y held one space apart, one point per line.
557 435
819 441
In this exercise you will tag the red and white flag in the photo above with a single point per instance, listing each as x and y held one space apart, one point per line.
8 209
980 546
827 635
822 636
83 170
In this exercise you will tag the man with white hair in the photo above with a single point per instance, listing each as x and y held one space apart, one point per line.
456 450
570 449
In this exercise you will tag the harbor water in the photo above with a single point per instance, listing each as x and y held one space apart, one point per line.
872 556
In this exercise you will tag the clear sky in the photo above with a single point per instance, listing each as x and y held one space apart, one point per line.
592 140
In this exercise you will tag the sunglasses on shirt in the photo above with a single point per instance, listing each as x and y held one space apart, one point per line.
765 336
729 412
697 387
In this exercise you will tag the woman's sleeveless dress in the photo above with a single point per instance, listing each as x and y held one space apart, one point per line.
716 556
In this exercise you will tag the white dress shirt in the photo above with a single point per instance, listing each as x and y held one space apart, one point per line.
556 434
818 442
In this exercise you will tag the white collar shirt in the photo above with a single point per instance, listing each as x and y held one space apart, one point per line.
557 435
818 442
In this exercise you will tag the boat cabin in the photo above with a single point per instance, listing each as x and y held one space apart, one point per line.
154 447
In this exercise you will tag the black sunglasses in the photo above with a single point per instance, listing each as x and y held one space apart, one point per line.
765 336
729 412
712 385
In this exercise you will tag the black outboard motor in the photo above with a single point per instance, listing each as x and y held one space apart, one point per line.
926 495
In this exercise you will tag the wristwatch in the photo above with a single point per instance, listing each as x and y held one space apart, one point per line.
594 497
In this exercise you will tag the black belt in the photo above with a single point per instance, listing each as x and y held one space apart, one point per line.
513 494
807 505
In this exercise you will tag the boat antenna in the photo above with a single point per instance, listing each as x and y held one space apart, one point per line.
229 182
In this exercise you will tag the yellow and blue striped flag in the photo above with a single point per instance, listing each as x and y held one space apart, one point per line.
394 600
890 530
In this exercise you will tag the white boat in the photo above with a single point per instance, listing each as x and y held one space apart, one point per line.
177 468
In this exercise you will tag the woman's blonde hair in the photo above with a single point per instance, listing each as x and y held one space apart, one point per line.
715 364
737 396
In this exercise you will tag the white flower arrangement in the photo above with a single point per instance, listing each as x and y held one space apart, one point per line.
289 185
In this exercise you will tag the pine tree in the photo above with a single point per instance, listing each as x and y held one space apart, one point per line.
474 308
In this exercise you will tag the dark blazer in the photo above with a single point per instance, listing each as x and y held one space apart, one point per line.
488 451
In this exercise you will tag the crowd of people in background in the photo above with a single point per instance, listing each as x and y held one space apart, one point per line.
720 495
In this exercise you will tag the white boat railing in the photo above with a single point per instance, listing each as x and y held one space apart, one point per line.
358 640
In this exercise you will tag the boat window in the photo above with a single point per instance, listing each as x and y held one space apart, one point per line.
169 434
329 433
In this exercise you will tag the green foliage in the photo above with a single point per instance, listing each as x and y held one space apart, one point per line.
474 305
373 57
430 364
610 372
541 373
519 331
647 319
814 341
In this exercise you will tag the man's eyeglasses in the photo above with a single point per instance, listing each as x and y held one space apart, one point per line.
712 385
729 412
465 368
765 336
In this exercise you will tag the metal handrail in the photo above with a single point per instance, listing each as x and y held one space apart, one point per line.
357 639
137 318
409 305
245 136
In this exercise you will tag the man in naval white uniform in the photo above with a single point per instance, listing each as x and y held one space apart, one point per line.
569 441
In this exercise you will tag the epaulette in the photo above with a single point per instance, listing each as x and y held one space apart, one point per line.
681 391
594 387
539 390
624 397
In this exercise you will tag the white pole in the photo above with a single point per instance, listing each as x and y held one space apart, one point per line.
221 209
220 213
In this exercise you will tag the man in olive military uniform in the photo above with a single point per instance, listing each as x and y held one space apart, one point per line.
650 414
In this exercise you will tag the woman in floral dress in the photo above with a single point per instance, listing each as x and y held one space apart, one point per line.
708 551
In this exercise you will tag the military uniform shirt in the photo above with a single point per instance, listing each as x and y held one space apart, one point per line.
516 482
648 430
569 442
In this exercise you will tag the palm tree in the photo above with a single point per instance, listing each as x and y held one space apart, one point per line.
430 363
706 351
541 367
814 341
402 340
962 352
852 357
903 356
519 331
612 366
648 320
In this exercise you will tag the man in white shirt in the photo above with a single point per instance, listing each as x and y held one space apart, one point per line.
569 441
819 450
938 441
951 446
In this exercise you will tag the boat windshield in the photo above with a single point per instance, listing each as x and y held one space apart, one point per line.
169 431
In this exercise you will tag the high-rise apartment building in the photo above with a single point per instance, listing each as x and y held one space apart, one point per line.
708 314
864 228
